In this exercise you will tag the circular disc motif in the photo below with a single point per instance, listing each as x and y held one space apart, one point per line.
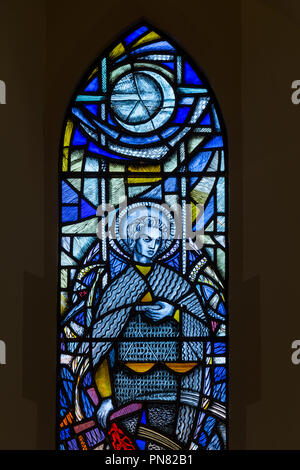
142 101
136 98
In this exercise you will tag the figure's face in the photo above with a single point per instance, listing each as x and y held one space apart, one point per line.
148 242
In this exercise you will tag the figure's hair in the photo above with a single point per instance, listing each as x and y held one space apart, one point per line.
135 228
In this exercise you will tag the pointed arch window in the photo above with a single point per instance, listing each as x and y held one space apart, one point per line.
143 254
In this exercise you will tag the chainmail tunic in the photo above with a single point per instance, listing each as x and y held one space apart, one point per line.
135 340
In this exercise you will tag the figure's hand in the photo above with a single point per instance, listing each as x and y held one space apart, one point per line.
157 311
104 409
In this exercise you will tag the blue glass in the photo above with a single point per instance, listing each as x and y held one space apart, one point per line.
87 406
78 113
78 138
210 422
136 34
221 195
69 196
155 193
207 215
141 444
208 291
95 149
92 108
170 131
199 162
159 46
190 76
170 65
206 120
91 190
93 85
182 113
140 140
214 142
171 185
220 374
110 132
69 213
86 209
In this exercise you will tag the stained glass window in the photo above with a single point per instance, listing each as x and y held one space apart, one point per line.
143 254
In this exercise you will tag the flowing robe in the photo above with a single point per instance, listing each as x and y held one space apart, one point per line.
114 325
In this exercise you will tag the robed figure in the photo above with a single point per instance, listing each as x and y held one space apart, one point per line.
148 333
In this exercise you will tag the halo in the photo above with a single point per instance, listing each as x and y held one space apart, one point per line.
138 210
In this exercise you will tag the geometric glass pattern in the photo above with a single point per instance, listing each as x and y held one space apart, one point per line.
142 360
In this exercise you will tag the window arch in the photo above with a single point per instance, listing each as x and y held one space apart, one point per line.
143 254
